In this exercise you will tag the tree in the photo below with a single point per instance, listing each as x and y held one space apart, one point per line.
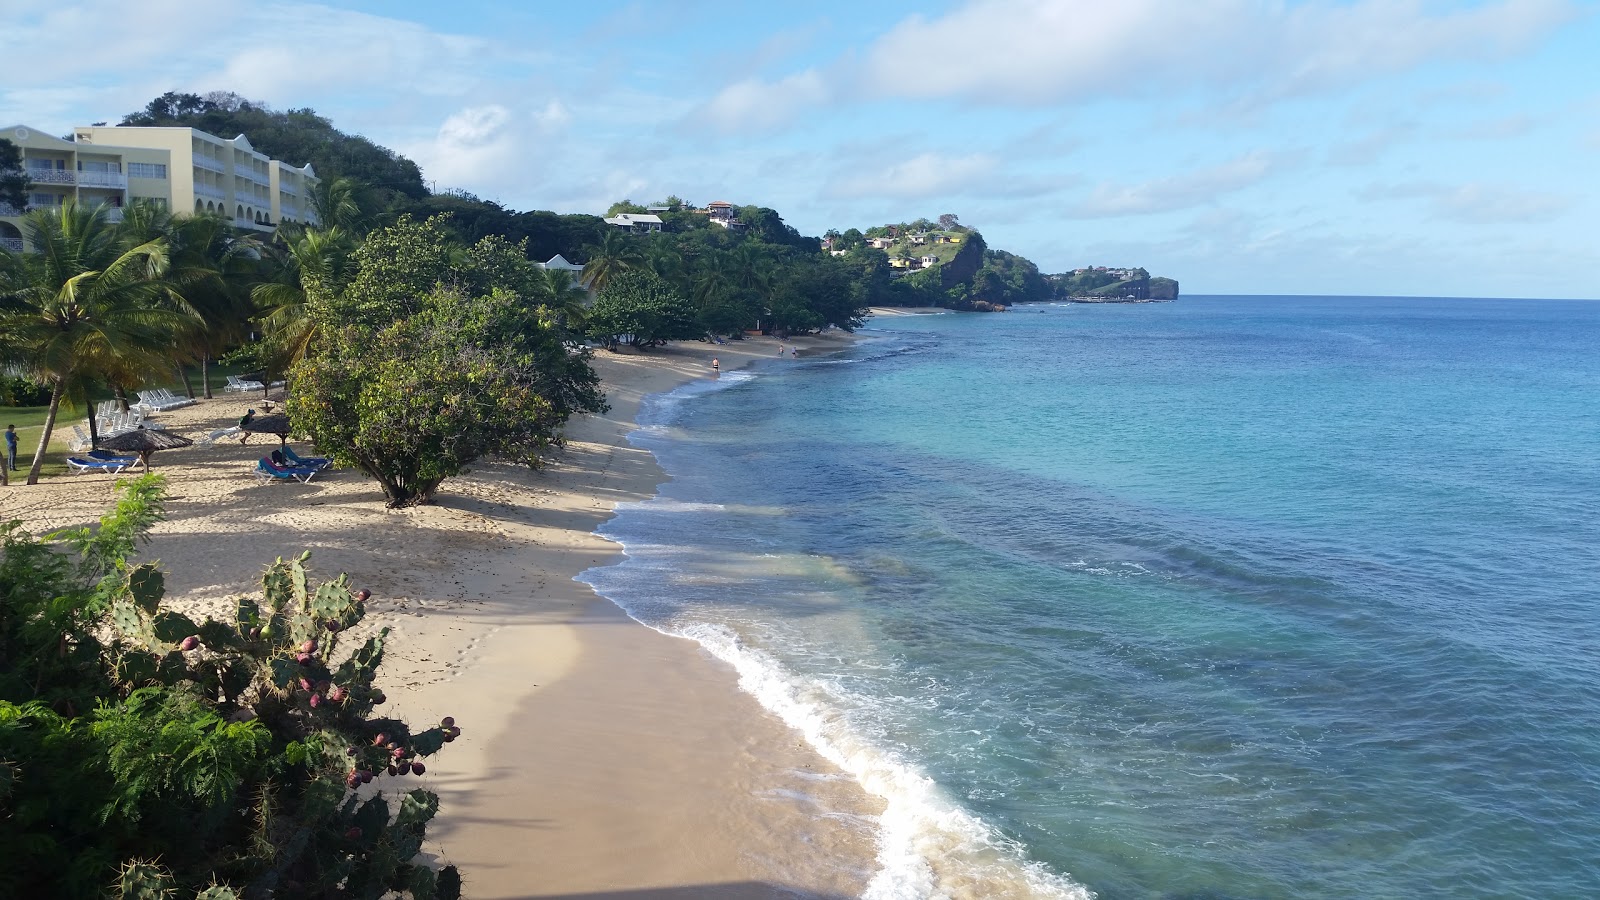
434 356
13 178
614 254
229 751
301 263
643 310
83 306
949 221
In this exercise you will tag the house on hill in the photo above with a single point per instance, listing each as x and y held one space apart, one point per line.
636 223
723 213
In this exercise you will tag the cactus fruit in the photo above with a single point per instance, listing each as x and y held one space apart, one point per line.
380 740
418 768
378 698
332 625
362 595
448 721
310 646
315 701
354 833
189 643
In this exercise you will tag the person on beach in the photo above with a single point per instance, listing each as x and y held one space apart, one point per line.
716 368
794 352
11 447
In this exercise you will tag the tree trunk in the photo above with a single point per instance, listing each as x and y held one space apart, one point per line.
187 387
94 429
205 375
121 394
56 390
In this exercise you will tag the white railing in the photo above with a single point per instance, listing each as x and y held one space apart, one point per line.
288 211
252 174
12 244
206 162
103 179
51 176
206 190
251 223
7 209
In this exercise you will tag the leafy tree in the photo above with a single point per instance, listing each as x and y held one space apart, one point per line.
949 221
625 206
84 306
13 178
642 310
434 356
229 751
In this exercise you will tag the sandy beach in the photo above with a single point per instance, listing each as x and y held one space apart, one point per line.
600 758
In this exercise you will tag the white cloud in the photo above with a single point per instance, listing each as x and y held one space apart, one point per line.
1178 191
1006 52
1476 203
469 144
921 176
1368 148
753 104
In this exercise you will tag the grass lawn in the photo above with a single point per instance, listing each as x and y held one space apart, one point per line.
30 421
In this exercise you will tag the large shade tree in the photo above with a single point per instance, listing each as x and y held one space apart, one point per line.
441 355
83 307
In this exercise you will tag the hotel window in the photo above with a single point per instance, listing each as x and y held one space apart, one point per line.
147 170
155 202
47 164
98 165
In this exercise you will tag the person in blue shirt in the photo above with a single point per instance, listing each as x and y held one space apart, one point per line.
11 447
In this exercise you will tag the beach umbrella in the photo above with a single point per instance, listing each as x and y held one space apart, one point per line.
144 442
277 424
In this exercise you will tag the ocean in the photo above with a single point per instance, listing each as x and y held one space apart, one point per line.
1232 597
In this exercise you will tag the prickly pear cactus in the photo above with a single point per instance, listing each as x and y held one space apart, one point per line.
217 892
145 881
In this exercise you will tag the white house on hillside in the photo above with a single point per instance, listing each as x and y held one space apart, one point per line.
637 223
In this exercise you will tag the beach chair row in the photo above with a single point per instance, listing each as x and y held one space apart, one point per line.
119 422
160 399
235 383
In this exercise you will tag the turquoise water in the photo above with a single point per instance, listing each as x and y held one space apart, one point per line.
1234 597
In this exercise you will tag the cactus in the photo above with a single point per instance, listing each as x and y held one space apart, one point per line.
145 881
217 892
449 884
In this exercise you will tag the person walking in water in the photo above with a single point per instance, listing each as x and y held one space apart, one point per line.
716 368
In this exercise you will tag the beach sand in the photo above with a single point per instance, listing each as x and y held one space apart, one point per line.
599 758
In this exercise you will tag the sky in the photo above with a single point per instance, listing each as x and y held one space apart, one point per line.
1380 147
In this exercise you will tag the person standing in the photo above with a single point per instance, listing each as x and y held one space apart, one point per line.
11 447
716 368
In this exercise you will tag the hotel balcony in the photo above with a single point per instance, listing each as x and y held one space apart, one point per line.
252 174
206 190
52 176
7 209
209 164
253 225
103 179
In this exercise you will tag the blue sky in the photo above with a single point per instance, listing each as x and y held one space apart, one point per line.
1360 147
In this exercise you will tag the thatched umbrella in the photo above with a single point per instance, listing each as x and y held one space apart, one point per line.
144 442
277 424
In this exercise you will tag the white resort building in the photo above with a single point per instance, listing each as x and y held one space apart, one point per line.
183 169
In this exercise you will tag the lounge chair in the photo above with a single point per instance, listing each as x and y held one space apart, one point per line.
108 456
80 441
81 464
217 435
266 471
316 462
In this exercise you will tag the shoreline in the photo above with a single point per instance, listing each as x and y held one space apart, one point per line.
597 754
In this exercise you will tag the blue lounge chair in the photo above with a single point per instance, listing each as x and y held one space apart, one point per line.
316 462
266 471
81 464
108 456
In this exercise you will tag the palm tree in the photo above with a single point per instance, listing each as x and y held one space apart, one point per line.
558 292
343 203
83 306
310 261
614 254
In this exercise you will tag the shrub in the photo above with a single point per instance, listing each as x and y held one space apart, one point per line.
168 757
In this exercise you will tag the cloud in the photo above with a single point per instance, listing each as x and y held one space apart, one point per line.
753 104
1011 53
921 176
1495 129
1178 191
469 143
1369 148
1476 203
